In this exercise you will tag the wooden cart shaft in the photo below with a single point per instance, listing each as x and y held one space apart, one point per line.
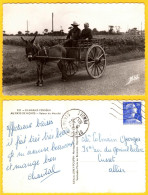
54 58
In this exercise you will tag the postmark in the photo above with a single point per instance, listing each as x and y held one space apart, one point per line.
132 113
75 122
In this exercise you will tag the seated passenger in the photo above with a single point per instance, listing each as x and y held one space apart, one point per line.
73 35
86 32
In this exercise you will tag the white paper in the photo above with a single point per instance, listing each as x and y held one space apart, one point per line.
41 156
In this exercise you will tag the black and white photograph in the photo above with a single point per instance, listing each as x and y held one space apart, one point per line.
74 49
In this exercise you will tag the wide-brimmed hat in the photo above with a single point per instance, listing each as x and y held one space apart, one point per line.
75 24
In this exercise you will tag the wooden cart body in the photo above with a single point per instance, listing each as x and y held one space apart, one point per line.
89 53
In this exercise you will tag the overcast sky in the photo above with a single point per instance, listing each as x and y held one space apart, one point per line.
99 16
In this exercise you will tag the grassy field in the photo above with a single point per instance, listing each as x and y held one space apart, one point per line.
17 69
107 40
43 40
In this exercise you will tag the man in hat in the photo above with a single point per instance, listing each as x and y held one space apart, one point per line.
86 32
75 32
73 35
72 41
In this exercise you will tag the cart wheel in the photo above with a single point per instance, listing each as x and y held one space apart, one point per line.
95 61
71 67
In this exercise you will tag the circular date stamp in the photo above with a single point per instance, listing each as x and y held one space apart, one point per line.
75 122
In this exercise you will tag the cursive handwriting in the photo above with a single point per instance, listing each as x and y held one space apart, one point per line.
43 123
33 164
116 169
13 127
132 79
20 140
125 140
44 175
106 159
98 138
61 147
36 151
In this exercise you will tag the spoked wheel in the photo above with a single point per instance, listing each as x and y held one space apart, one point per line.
71 67
95 61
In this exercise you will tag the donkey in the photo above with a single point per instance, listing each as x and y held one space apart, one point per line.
33 50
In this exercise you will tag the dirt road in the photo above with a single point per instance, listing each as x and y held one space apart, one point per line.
126 78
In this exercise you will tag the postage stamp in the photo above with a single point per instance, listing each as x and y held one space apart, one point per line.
132 113
75 122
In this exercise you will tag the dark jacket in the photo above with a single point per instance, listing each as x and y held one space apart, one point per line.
86 33
74 34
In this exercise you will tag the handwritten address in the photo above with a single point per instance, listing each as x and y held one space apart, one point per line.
112 148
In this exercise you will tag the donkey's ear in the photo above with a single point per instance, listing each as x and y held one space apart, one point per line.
32 41
23 40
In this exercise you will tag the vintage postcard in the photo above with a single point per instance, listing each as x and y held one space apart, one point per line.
74 147
61 49
73 97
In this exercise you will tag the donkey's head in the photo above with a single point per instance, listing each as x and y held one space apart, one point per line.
31 50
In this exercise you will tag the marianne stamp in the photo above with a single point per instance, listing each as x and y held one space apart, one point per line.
75 122
132 113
